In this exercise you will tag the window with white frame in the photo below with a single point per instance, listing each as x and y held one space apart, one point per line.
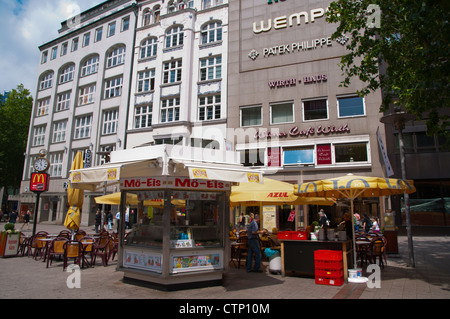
39 135
172 71
98 34
282 112
251 115
86 39
111 29
44 57
211 68
86 94
116 57
351 152
56 164
146 81
74 45
113 87
63 101
316 109
350 106
210 3
174 36
209 107
125 24
149 47
83 126
67 74
42 107
59 131
64 48
146 17
143 116
211 32
170 110
46 81
54 53
102 159
90 66
110 120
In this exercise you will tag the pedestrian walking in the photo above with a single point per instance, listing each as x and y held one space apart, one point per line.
98 220
109 219
26 220
253 244
13 217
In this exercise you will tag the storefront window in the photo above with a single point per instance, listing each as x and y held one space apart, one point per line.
355 152
299 155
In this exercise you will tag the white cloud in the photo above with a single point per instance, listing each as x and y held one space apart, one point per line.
24 26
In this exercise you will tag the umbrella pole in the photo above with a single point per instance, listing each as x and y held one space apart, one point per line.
353 235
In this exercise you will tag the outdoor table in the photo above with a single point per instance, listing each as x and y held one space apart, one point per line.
235 251
83 253
46 241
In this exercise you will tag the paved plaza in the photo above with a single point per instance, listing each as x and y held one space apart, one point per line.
24 277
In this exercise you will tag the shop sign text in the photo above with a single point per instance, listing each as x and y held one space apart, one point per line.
173 183
293 82
297 132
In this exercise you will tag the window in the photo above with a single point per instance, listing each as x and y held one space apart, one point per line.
54 53
86 39
251 116
56 164
170 110
59 131
211 3
110 119
113 87
149 47
146 81
43 105
116 57
174 140
352 152
143 116
39 135
299 155
211 68
64 49
282 113
146 17
111 29
86 95
67 74
103 159
125 24
209 108
46 81
172 71
350 106
315 110
74 44
83 126
212 32
63 101
90 66
174 36
44 57
203 143
98 34
254 157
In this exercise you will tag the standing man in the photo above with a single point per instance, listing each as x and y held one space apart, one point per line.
253 244
13 217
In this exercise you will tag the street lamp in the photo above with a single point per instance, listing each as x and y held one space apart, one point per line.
398 119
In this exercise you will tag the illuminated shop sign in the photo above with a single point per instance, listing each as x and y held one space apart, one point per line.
298 132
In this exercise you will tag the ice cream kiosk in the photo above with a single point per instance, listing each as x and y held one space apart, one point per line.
181 234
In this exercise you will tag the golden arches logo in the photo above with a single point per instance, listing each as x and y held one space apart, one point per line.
38 179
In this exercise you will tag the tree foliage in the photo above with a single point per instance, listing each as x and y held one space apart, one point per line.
15 115
407 56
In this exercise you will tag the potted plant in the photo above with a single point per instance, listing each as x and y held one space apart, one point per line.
9 241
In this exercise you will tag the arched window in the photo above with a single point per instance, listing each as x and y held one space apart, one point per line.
116 56
66 73
149 47
90 65
46 80
174 36
146 17
211 32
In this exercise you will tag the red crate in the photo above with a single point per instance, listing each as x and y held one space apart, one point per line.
329 273
284 235
328 264
299 235
328 255
330 281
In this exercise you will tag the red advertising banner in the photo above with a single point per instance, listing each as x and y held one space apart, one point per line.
274 156
39 182
324 154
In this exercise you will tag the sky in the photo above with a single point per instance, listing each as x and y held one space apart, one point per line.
24 26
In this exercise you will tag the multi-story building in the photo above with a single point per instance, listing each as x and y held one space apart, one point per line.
284 97
81 96
178 89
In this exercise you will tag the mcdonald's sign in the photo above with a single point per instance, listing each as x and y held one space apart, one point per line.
39 182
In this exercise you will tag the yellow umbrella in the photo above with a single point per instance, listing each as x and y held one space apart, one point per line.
75 198
271 192
114 199
351 186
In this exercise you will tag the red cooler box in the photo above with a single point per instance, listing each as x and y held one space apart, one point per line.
284 235
299 235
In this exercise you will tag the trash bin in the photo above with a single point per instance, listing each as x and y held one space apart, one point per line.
274 260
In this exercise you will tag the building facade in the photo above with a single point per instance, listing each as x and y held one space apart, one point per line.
290 115
81 95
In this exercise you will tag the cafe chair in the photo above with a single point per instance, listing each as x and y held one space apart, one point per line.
243 249
39 246
103 251
24 242
72 249
115 246
65 233
88 248
376 249
80 234
56 249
